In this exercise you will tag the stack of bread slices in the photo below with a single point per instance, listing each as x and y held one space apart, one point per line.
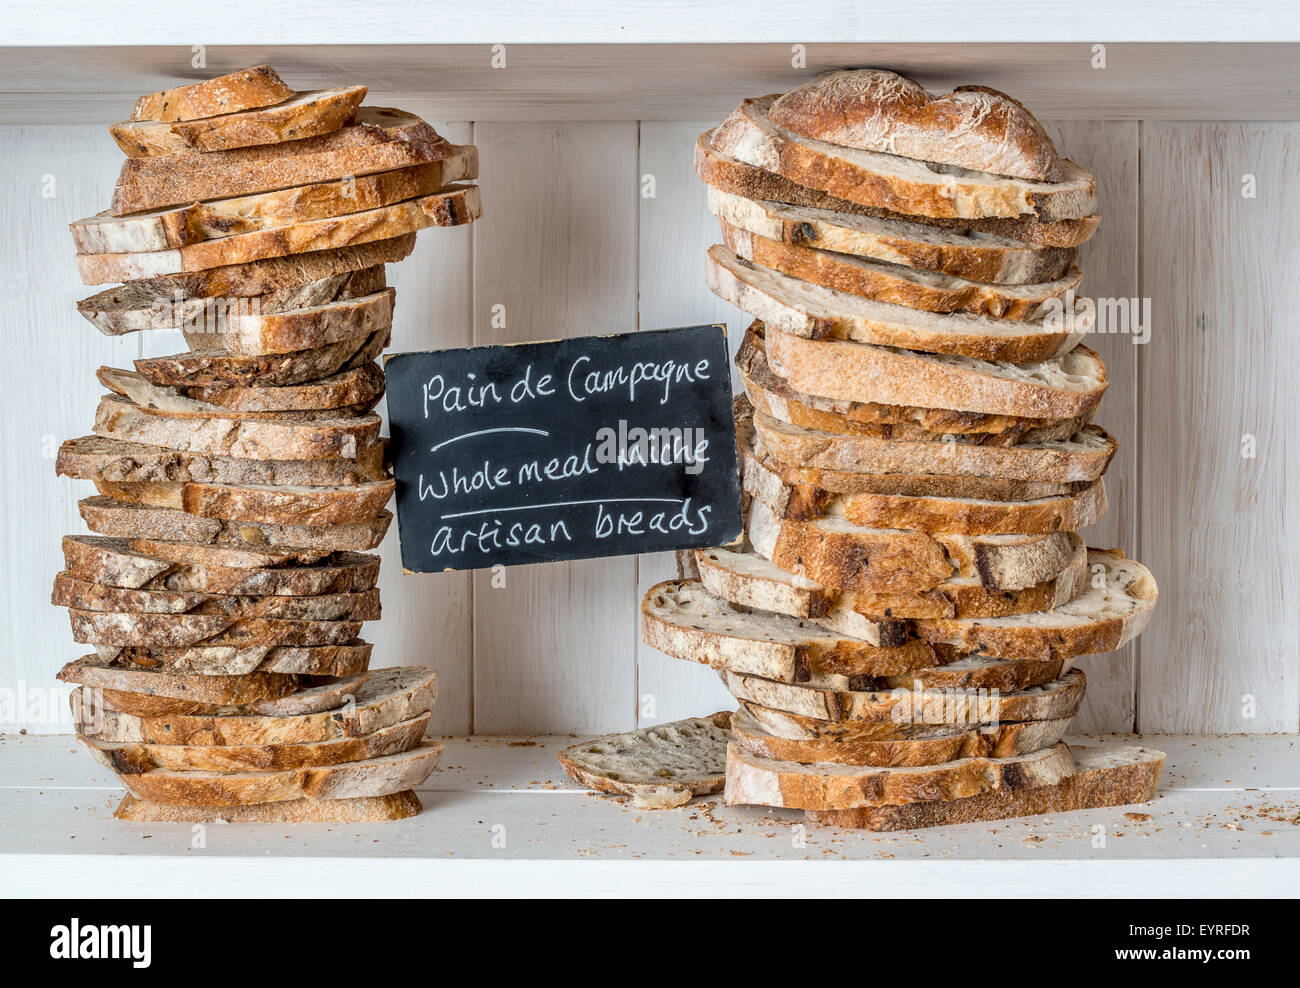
242 483
902 620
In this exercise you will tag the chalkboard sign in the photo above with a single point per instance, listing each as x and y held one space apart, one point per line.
568 449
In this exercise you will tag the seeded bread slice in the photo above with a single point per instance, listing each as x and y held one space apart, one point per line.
246 89
931 746
362 809
161 630
981 257
764 782
298 329
660 767
1103 776
280 505
385 698
722 171
814 312
344 661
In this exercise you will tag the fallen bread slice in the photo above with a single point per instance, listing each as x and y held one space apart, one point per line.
246 89
660 767
365 384
381 139
361 809
812 312
360 385
132 758
379 776
1083 457
852 281
1103 776
209 691
897 183
163 229
386 697
684 620
765 782
927 746
1061 387
185 630
96 458
327 696
257 439
307 114
771 394
118 519
455 206
344 661
298 329
217 366
982 257
729 174
282 505
905 708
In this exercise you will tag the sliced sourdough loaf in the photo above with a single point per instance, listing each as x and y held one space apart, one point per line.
212 691
684 620
96 458
980 257
812 312
298 329
722 171
132 758
359 385
897 183
765 782
660 767
381 139
361 809
455 206
1103 776
127 629
255 439
367 385
307 114
928 746
385 698
119 519
282 505
379 776
851 278
246 89
896 708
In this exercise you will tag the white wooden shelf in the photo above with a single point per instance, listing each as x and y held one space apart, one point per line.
1225 823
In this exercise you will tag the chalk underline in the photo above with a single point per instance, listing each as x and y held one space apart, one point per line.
562 504
484 432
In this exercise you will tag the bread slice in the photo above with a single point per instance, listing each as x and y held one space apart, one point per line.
346 661
96 458
132 759
379 776
381 139
361 385
310 699
971 672
179 226
788 305
246 89
219 366
164 630
119 519
192 691
771 394
255 439
297 329
455 206
930 745
941 742
367 385
684 620
660 767
385 698
853 279
282 505
274 274
836 553
722 171
1103 776
988 258
765 782
1083 457
363 809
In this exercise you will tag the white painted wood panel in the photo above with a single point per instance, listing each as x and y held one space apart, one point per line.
555 647
47 377
1218 529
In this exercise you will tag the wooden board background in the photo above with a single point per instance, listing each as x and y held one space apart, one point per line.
570 245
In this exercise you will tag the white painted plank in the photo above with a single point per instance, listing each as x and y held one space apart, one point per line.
676 231
1109 263
555 646
1219 529
48 380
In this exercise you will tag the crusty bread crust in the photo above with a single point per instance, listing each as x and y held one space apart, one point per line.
282 505
258 85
